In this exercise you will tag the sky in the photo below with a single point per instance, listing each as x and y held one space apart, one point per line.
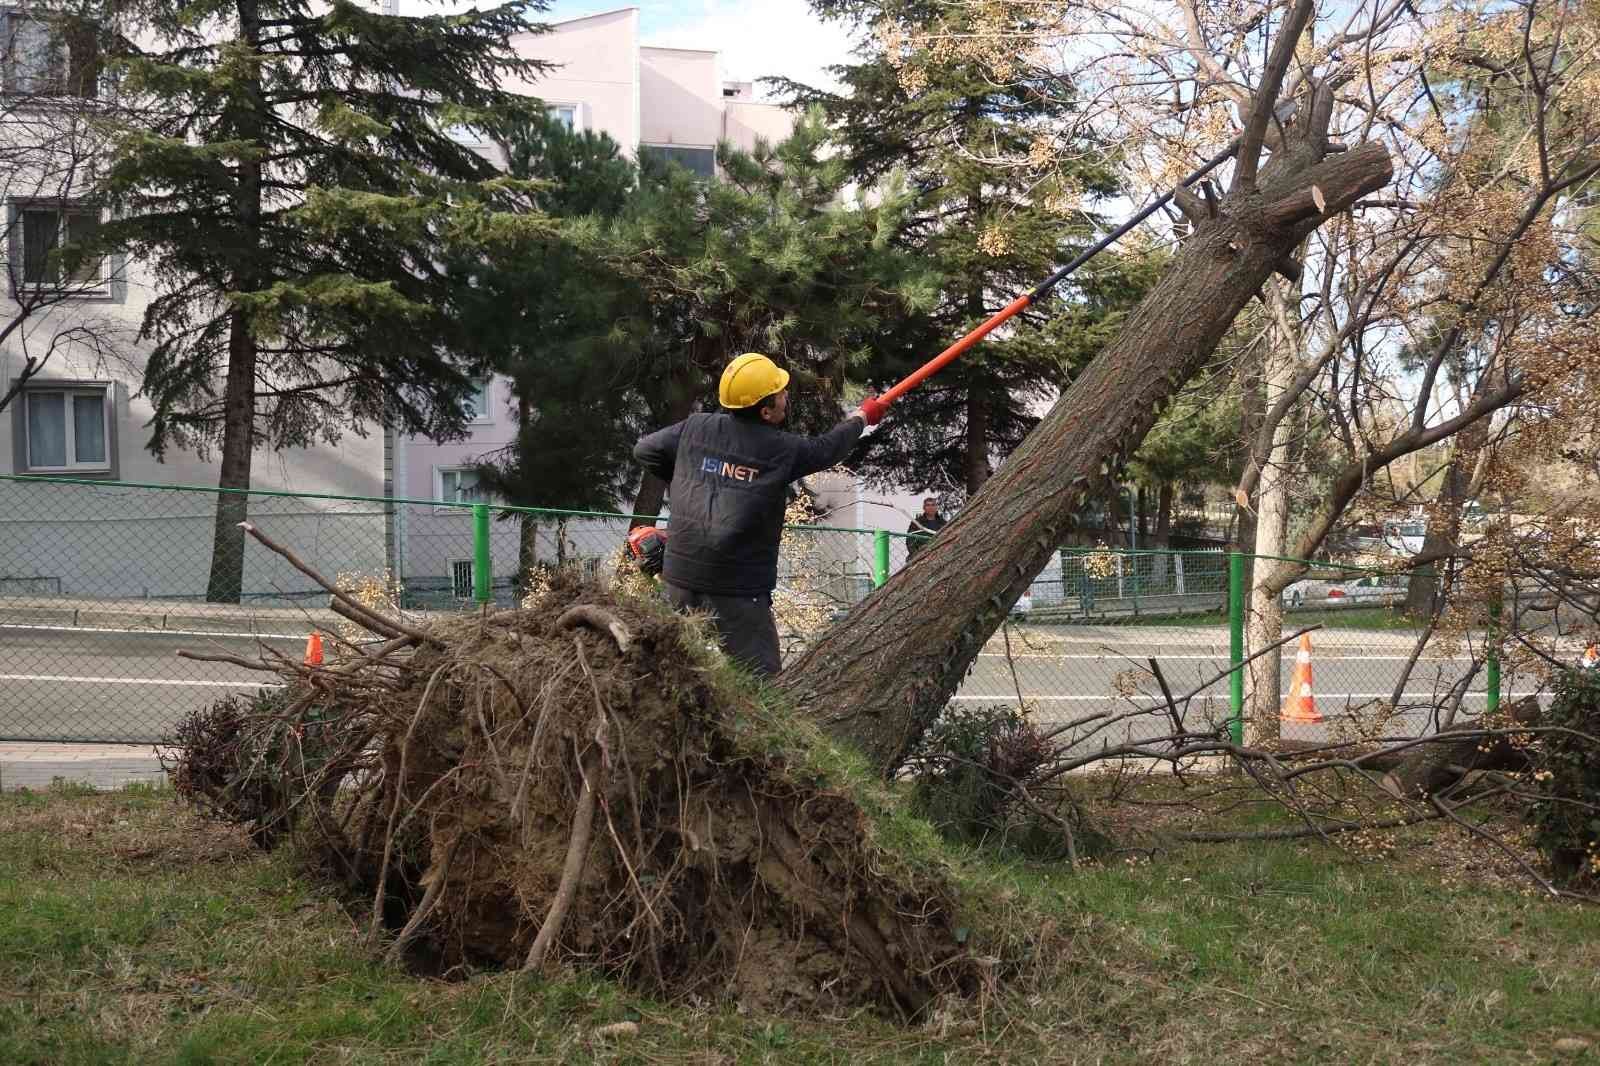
757 38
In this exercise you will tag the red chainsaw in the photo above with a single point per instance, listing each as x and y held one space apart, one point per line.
647 546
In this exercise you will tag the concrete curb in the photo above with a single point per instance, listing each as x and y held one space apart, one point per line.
36 766
156 619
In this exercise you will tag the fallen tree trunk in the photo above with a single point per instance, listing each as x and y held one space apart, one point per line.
882 675
1429 769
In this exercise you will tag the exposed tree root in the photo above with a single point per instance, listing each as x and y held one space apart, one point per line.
583 784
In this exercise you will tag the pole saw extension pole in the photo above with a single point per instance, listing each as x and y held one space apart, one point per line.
955 351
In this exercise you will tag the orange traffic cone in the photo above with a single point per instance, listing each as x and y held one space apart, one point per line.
1301 706
314 649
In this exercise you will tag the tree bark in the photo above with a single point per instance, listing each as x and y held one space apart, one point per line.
226 582
1163 538
238 446
1264 620
1252 411
1444 520
1160 565
1430 768
977 457
527 552
884 673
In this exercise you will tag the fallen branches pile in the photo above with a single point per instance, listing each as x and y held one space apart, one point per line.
581 783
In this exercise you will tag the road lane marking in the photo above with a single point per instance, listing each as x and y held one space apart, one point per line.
1322 654
155 632
1010 697
137 681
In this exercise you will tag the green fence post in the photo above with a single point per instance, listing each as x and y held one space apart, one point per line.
880 557
1236 645
482 575
1492 660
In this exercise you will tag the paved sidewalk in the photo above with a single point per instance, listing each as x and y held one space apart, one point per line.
166 615
35 765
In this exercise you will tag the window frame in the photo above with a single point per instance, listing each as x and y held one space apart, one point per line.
21 451
552 107
446 505
456 568
485 393
63 87
684 148
104 276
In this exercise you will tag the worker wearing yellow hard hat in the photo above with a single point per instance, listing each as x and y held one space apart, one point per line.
750 379
728 475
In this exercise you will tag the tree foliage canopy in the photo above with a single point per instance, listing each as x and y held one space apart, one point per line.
993 229
295 180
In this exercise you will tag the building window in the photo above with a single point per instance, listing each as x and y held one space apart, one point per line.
459 485
566 114
49 229
701 162
461 579
67 429
40 59
477 404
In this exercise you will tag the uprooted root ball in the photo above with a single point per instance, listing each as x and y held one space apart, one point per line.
581 783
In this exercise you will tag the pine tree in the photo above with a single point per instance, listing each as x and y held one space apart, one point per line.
543 317
769 257
994 231
297 192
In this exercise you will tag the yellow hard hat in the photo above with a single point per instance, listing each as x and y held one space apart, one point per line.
750 379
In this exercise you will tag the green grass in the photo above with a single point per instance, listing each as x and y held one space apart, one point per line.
131 932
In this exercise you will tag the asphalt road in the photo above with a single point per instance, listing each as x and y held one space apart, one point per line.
1101 680
66 683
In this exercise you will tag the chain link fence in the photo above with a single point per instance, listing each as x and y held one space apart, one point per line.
101 583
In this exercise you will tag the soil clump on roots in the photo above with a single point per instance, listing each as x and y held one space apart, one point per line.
585 783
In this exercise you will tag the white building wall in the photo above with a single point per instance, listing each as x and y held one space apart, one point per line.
746 122
122 542
597 71
681 98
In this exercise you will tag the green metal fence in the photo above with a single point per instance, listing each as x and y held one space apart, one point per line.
101 583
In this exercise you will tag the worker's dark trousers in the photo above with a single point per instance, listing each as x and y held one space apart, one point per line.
745 627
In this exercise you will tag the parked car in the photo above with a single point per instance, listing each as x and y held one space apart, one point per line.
1372 589
1302 592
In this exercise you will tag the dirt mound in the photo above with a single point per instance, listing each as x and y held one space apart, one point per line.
583 783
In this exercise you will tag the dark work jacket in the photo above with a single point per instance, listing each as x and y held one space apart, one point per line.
918 532
729 486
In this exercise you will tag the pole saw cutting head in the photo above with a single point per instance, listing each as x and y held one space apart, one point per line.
647 547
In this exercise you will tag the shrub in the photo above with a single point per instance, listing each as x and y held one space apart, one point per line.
1566 815
967 772
225 760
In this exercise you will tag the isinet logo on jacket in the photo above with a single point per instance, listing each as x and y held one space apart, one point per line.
734 471
729 480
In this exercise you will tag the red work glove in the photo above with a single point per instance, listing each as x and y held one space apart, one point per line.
872 410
